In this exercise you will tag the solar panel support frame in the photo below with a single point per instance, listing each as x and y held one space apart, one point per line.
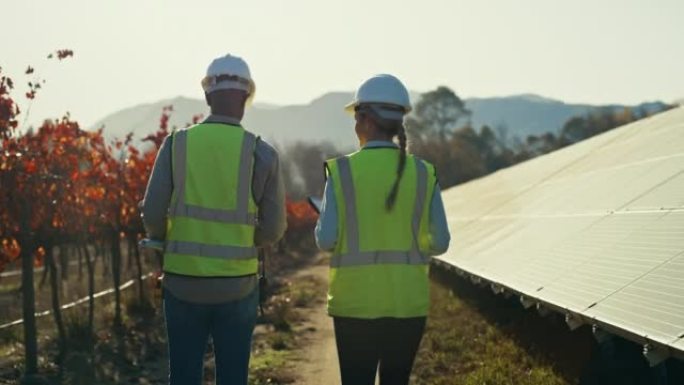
602 331
654 355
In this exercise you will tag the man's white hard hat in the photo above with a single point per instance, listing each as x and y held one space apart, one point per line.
229 72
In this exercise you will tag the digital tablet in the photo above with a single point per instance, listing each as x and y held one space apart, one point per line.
316 203
153 244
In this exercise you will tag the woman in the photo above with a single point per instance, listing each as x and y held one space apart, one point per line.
382 217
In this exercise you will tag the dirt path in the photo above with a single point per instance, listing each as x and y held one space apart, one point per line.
318 358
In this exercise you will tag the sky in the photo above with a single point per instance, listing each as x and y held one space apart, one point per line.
129 52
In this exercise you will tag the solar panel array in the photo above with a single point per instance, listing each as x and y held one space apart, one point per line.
595 230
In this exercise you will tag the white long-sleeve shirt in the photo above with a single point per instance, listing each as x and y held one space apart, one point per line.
326 227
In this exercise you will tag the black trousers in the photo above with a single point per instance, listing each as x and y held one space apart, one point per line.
363 344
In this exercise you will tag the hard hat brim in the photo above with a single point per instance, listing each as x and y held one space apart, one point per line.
229 86
382 112
210 86
389 114
349 108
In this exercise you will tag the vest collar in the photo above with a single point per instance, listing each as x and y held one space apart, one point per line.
222 119
380 144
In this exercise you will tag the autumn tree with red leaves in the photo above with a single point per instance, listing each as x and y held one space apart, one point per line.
64 188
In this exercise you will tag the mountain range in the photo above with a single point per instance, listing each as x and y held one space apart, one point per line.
323 119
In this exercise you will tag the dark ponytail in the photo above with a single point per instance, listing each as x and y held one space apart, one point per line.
391 128
392 196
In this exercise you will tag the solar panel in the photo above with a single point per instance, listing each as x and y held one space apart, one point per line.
594 230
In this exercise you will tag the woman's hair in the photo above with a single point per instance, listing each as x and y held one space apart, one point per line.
391 127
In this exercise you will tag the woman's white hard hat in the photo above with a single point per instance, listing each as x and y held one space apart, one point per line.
379 90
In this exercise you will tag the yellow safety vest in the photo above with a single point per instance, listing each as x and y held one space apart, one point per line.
379 267
212 215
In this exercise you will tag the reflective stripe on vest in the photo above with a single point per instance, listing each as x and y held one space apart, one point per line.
355 257
241 213
211 251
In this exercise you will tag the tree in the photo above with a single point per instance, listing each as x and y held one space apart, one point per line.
63 188
304 167
14 220
17 172
437 112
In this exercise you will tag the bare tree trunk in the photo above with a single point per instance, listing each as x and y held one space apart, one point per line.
99 251
43 277
28 295
80 262
56 308
105 260
91 289
64 268
133 247
130 257
116 275
29 309
64 262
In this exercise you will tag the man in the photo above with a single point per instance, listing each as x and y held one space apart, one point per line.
214 196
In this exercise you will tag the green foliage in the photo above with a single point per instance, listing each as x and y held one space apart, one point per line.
440 132
280 341
464 155
79 369
307 293
281 308
280 314
266 368
272 353
79 337
141 308
10 335
597 122
437 112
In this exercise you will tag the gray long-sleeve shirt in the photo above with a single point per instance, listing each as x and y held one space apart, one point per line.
268 191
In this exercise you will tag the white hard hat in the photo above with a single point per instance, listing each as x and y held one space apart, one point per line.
382 90
229 72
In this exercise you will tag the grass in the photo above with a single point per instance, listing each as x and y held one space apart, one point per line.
129 355
270 367
273 349
306 293
10 287
137 353
474 337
